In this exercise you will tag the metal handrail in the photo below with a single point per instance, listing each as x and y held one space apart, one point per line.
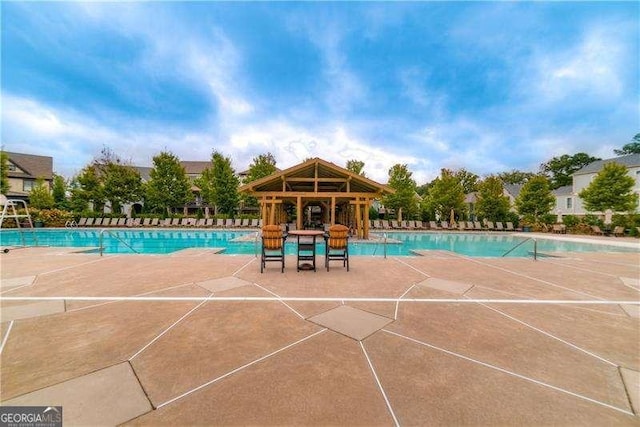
255 244
384 246
535 247
116 236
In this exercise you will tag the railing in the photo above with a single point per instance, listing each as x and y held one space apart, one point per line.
112 235
535 247
255 244
384 244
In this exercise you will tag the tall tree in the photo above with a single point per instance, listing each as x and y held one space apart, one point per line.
122 184
612 188
219 184
90 188
445 195
40 195
168 186
535 199
4 173
559 170
515 176
59 191
631 148
491 203
261 166
404 197
468 180
355 166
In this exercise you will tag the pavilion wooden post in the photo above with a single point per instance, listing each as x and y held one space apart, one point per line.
299 213
358 219
333 210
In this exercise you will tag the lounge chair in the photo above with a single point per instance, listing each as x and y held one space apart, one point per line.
228 223
237 223
499 226
559 228
245 223
385 224
122 222
618 231
89 222
510 226
490 226
201 222
469 225
419 225
254 223
444 225
596 230
434 225
337 245
82 222
155 222
411 225
461 226
394 224
272 246
208 222
219 223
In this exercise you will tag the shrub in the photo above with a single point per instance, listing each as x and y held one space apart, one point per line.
54 217
571 221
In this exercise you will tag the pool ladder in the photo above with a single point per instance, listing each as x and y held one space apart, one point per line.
104 230
535 247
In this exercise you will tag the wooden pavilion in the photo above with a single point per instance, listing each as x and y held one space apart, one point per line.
314 193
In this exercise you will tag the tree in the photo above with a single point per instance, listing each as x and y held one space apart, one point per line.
219 184
491 203
535 199
631 148
4 173
168 186
560 169
404 199
445 195
468 180
515 176
59 192
261 166
122 184
90 188
40 195
355 166
612 188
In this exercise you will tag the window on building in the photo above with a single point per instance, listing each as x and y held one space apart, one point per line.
27 185
569 202
11 167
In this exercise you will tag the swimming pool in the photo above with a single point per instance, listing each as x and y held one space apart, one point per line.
124 241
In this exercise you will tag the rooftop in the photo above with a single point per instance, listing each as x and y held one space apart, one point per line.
630 160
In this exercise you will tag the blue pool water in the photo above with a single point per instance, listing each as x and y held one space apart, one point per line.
167 241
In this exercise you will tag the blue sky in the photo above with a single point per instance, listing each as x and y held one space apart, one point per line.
487 86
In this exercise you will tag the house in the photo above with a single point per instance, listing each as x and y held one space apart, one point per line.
567 200
24 170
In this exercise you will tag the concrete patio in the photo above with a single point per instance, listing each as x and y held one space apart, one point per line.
257 354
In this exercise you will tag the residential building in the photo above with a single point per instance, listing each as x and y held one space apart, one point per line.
24 170
567 200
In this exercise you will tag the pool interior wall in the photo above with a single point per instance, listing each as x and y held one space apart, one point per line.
153 241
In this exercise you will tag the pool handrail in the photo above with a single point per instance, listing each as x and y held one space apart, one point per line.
102 231
535 247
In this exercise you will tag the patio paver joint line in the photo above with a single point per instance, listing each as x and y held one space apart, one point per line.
515 374
168 329
550 335
375 376
395 316
273 353
6 336
280 300
243 267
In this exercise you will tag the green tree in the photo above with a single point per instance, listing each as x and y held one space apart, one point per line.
40 195
404 199
446 194
515 176
261 166
59 192
468 180
219 184
491 203
168 186
535 199
4 173
612 188
631 148
559 170
90 188
122 184
355 166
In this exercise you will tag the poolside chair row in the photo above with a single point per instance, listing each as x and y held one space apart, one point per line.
169 222
442 225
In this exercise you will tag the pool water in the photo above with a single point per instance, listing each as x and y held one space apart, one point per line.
123 241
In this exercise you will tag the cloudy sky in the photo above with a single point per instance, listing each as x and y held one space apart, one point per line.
488 86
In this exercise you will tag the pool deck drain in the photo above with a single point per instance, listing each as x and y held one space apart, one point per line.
244 362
